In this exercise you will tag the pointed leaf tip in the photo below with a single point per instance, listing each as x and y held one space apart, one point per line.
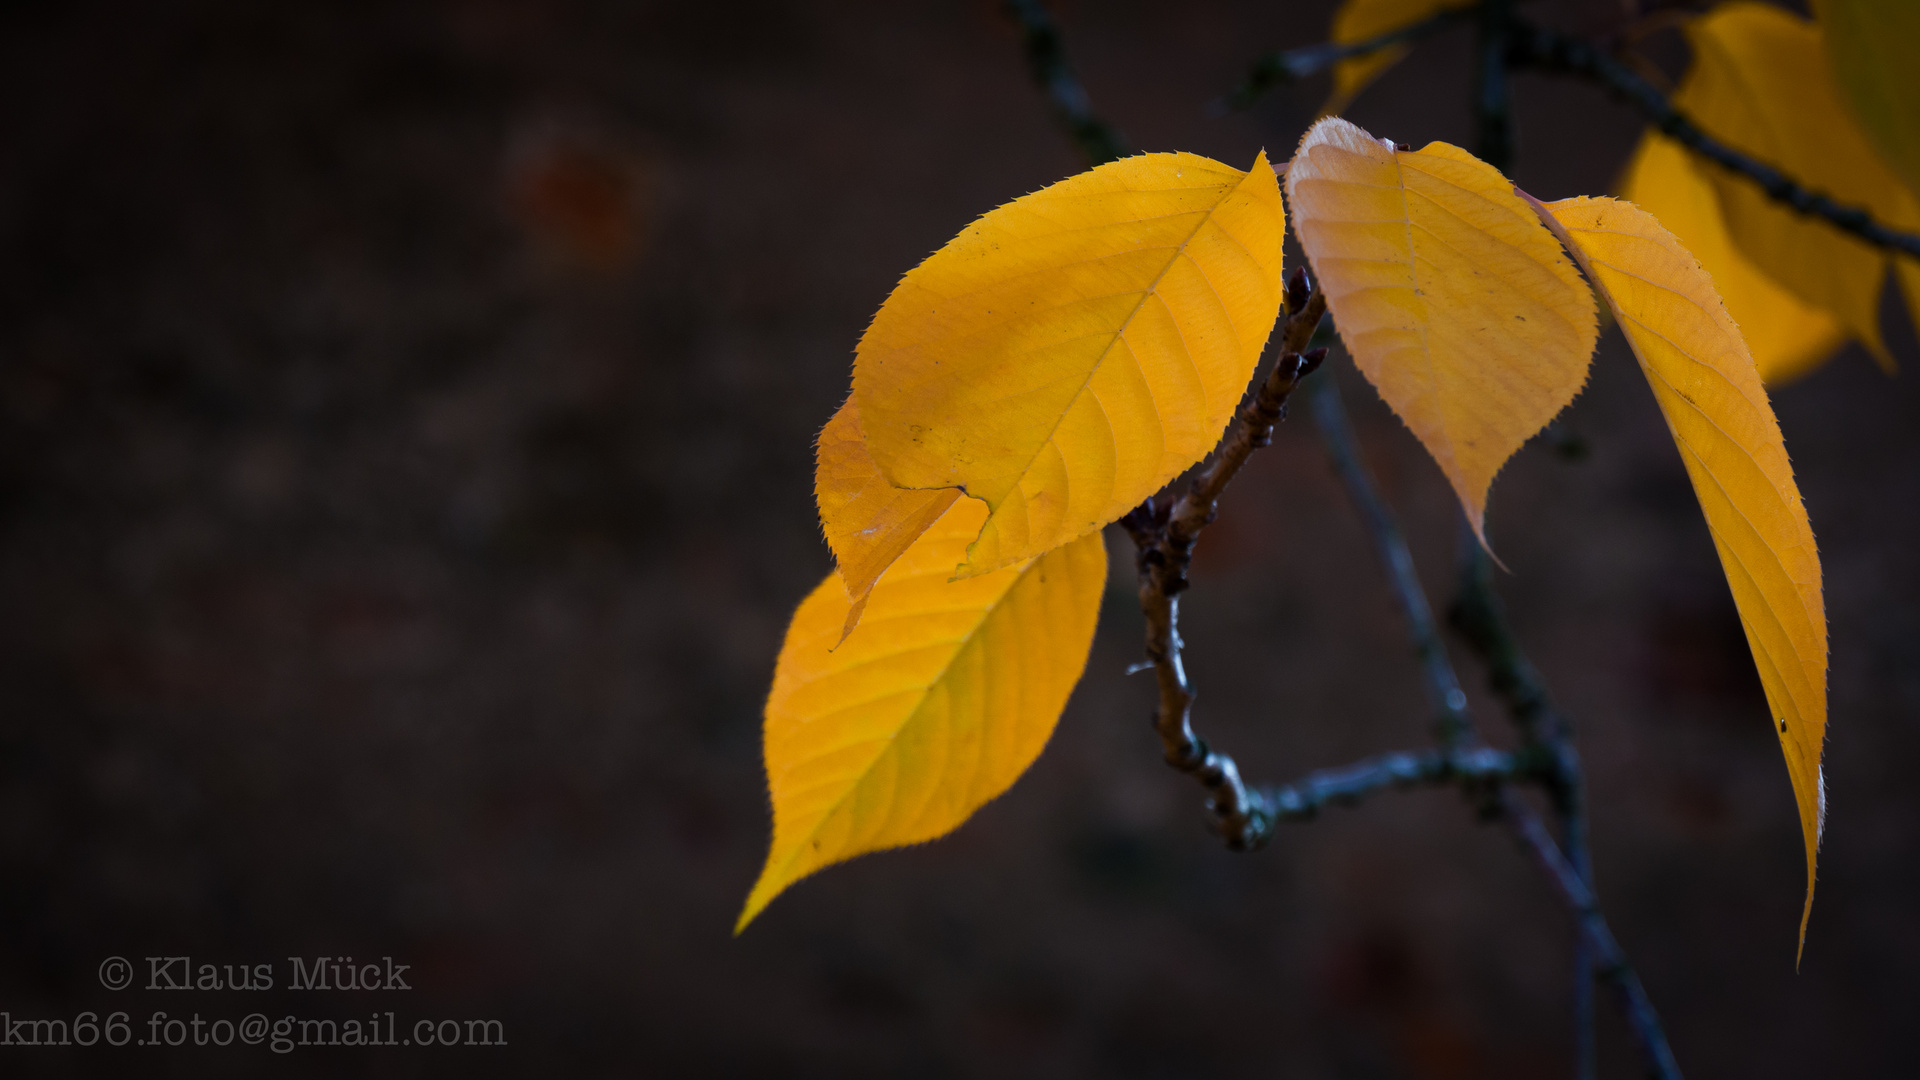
1694 358
1456 303
932 706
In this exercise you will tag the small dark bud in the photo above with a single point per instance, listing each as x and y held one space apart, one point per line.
1145 516
1310 361
1403 148
1298 288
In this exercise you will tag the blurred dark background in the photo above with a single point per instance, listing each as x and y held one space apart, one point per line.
405 479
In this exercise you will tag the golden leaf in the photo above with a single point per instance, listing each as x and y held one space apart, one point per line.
1074 350
1787 338
868 521
1454 300
1761 83
1705 381
936 703
1359 20
1870 44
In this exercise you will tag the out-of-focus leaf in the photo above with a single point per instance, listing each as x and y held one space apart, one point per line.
1787 338
1693 356
1360 20
1871 45
868 521
934 704
1453 298
1074 350
1761 83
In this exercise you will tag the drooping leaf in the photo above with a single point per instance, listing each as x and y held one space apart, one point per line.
1360 20
1693 356
1870 44
1074 350
1454 300
936 703
868 521
1787 338
1761 83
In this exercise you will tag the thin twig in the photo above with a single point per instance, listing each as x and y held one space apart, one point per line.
1598 941
1477 615
1452 723
1047 59
1545 50
1198 507
1164 534
1610 961
1493 90
1476 611
1292 65
1478 768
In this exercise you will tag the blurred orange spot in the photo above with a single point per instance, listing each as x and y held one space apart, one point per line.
582 201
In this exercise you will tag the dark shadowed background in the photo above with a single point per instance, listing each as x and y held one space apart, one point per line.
405 478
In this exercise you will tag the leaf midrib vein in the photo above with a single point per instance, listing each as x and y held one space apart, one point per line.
887 742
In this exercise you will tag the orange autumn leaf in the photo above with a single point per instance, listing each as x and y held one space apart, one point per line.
1074 350
934 704
1457 304
1704 378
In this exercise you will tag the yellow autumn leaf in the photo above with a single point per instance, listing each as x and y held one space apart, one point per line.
1870 44
1761 83
1787 338
1360 20
1457 304
868 521
1693 356
1074 350
936 703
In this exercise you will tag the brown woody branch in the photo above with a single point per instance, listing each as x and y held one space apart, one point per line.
1164 534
